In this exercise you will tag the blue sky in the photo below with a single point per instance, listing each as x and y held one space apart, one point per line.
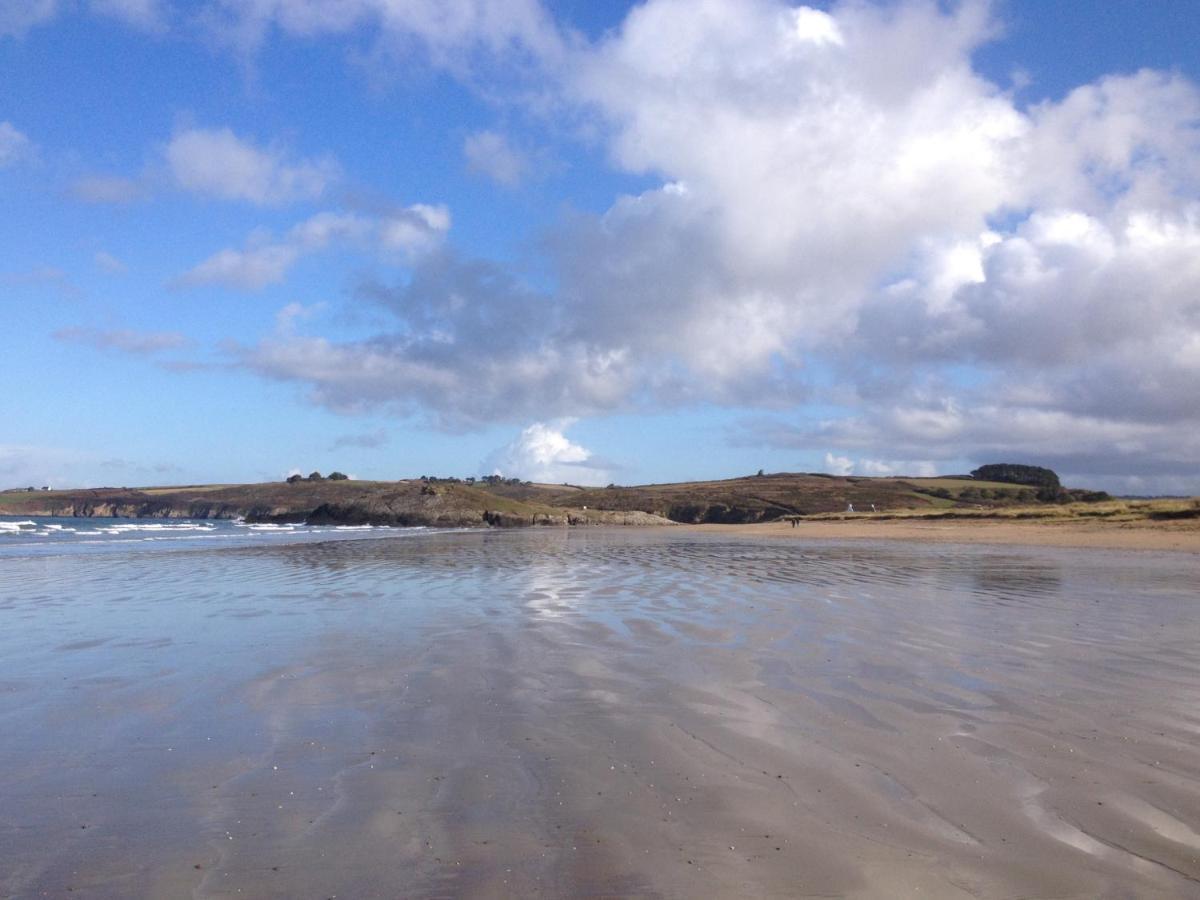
597 242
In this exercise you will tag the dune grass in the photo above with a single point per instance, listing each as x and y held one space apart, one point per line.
1117 510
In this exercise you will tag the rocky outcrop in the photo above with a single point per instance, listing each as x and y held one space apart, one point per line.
131 510
723 513
615 517
368 514
575 518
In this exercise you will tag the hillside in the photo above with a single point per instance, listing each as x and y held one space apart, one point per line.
451 502
324 502
766 497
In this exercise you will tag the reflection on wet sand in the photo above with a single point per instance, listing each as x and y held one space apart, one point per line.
600 713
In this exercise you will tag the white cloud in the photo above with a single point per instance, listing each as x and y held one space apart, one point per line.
543 453
14 146
409 232
249 269
324 228
218 163
18 16
491 154
918 468
838 465
879 468
839 191
1121 143
812 26
415 230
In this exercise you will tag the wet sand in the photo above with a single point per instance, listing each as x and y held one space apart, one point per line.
1097 534
603 714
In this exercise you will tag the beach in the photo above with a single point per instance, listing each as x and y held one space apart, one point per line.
1098 534
600 712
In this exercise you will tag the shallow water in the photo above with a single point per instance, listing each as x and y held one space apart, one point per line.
608 712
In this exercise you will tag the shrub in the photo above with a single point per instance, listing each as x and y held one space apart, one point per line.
338 476
1052 494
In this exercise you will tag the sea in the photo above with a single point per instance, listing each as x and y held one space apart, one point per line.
56 535
220 709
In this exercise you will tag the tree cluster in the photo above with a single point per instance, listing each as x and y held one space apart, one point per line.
500 479
317 476
1049 489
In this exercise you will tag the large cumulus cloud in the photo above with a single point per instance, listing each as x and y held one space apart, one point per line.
839 192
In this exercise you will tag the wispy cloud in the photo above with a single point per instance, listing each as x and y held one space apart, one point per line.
124 340
452 35
41 276
115 189
248 269
491 154
370 440
218 163
841 195
145 15
15 146
109 263
405 232
18 16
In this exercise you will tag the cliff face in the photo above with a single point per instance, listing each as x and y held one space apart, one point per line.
130 510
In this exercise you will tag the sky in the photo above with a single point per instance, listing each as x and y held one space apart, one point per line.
598 242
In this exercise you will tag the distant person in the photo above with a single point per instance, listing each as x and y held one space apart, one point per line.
849 507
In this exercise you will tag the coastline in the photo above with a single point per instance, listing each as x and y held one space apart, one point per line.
1180 537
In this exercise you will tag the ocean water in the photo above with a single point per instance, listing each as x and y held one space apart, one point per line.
55 535
214 710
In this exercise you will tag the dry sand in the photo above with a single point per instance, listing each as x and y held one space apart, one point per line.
1094 534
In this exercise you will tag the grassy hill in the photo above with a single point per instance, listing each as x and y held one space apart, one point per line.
765 497
451 502
411 502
